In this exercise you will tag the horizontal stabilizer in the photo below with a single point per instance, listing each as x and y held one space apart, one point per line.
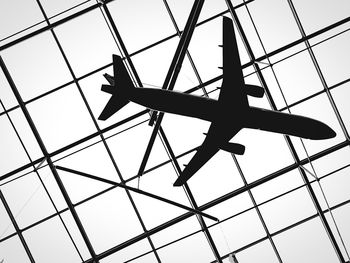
120 86
254 91
108 88
233 148
109 78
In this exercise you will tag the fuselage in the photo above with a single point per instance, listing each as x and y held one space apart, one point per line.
231 117
176 102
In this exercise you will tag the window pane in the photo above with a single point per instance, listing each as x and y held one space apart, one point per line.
12 250
56 124
306 243
327 12
36 66
49 242
276 28
21 20
138 30
87 42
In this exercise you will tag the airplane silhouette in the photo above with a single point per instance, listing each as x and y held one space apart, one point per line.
228 115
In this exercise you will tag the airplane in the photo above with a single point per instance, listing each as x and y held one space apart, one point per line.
228 114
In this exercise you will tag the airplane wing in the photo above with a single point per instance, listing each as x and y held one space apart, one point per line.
233 82
207 150
217 138
291 124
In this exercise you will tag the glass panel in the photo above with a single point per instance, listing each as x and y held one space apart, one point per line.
273 88
36 66
93 160
277 186
287 210
342 217
262 252
52 187
230 208
79 187
220 181
211 8
328 12
57 124
87 42
196 249
131 252
332 59
26 134
6 227
27 200
137 30
305 243
276 28
181 10
297 77
49 242
11 250
175 232
160 183
237 232
339 95
53 8
6 95
15 20
332 162
75 234
11 149
336 187
109 219
153 66
129 148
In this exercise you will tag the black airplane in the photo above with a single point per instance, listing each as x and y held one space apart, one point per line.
228 115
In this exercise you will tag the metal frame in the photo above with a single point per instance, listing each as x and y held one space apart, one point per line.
174 69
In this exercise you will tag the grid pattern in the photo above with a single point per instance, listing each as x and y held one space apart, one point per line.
75 189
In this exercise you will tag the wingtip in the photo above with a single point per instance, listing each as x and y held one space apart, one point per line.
325 132
178 182
332 133
102 118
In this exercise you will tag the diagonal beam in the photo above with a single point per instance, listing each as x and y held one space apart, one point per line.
173 73
18 230
136 190
48 158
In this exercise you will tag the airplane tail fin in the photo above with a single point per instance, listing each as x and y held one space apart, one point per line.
119 87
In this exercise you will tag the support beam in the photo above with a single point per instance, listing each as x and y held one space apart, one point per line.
48 159
173 73
90 176
15 225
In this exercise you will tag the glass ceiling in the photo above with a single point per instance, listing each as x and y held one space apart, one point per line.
69 184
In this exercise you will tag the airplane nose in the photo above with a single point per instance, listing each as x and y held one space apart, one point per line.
325 132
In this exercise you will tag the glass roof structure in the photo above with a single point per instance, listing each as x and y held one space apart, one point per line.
76 189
